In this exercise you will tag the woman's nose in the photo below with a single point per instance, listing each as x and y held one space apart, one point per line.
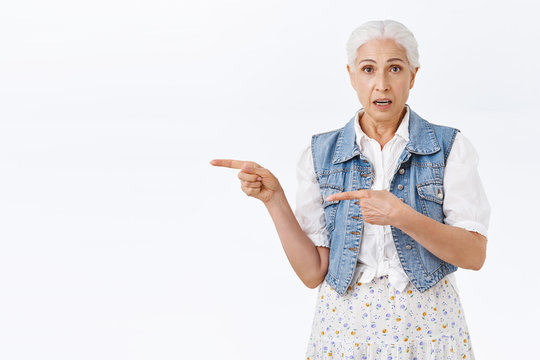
381 83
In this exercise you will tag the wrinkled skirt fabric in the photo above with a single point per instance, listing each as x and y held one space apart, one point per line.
375 321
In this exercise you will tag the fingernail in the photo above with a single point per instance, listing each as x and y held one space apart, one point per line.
259 178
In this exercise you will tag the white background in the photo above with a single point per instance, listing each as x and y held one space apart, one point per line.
118 240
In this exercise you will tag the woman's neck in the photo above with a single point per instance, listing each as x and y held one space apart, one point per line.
382 132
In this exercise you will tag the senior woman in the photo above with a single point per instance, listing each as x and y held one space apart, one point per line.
388 207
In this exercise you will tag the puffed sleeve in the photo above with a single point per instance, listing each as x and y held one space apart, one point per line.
309 211
465 201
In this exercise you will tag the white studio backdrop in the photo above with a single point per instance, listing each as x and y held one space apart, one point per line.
118 239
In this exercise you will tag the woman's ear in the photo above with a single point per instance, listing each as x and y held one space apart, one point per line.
411 84
351 77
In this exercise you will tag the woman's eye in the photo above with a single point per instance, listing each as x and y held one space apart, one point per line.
395 68
367 69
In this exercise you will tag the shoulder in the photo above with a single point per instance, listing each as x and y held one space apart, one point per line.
442 135
306 154
326 135
444 132
445 136
324 141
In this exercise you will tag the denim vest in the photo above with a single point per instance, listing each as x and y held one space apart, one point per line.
417 181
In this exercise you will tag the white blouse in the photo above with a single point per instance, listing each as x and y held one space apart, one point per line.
465 204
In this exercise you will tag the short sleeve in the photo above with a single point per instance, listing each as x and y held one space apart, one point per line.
309 212
465 201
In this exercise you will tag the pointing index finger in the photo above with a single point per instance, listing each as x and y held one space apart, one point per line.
233 164
347 195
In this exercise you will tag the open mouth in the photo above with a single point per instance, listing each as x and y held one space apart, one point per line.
382 102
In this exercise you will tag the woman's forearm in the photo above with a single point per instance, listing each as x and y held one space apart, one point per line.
452 244
300 250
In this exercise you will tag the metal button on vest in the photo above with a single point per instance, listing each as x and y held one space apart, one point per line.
402 199
408 247
402 171
400 187
440 195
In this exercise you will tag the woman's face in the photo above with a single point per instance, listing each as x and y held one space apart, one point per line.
382 73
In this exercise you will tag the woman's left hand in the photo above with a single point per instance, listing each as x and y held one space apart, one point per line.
379 207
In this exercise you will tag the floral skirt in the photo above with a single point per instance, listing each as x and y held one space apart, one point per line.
375 321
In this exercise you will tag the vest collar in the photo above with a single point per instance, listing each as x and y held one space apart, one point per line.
422 139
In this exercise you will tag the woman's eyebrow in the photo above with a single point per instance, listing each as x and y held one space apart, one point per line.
361 61
394 59
389 60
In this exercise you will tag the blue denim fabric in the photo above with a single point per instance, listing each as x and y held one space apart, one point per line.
417 180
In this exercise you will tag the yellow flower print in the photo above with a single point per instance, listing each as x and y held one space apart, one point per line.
352 332
392 297
409 292
398 319
384 331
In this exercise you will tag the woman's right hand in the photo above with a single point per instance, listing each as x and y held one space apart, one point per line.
256 181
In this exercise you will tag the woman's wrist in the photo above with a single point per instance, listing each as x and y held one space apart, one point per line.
276 201
402 215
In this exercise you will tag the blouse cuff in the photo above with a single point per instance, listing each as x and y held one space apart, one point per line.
319 239
472 226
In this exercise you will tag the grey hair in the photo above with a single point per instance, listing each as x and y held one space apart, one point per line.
383 29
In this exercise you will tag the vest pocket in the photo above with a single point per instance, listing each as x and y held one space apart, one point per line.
330 207
431 194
